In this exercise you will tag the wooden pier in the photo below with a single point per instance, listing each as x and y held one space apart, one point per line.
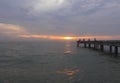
100 45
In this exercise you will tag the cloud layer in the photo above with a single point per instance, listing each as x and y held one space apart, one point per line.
9 30
65 7
61 17
44 6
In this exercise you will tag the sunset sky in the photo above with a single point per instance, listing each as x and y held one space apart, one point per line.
59 19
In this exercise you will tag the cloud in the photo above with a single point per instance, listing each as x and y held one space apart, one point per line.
44 6
15 31
25 8
55 7
60 17
51 37
11 30
69 7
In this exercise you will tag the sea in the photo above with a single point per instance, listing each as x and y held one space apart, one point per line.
56 62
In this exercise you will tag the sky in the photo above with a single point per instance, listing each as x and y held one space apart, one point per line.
59 19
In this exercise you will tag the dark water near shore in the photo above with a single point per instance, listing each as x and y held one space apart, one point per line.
55 62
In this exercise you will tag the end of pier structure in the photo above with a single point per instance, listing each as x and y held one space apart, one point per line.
99 45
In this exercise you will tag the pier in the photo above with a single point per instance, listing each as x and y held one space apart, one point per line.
100 45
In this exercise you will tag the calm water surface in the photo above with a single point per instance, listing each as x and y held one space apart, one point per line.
55 62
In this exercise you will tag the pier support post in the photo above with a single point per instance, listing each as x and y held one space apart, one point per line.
116 50
94 46
78 44
97 46
102 47
85 45
110 49
89 45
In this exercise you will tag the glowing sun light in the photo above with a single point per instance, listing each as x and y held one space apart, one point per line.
68 38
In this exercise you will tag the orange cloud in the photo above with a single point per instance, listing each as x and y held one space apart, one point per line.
70 37
43 37
11 30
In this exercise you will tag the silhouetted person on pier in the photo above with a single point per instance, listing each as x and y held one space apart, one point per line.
78 42
83 39
95 39
88 39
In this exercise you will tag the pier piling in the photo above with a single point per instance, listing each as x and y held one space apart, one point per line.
89 45
102 47
110 49
116 50
85 45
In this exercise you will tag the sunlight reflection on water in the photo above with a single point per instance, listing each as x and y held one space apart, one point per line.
70 73
68 48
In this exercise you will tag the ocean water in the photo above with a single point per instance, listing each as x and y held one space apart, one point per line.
55 62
